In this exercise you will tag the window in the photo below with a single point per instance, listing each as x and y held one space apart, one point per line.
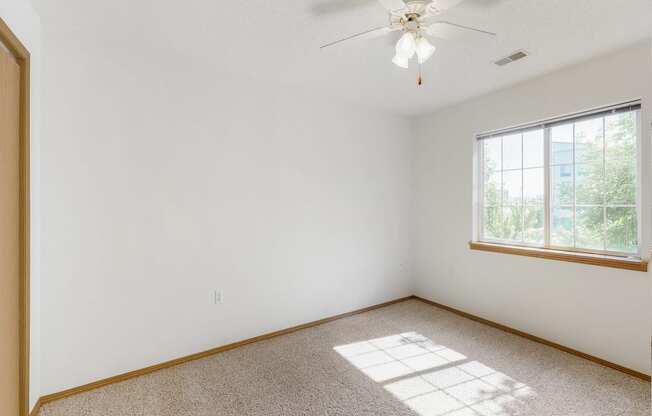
567 184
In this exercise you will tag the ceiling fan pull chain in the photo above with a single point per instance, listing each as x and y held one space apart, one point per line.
419 78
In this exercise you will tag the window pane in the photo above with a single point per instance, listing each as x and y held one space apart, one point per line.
512 224
589 140
492 154
533 185
590 228
534 219
622 230
620 186
561 233
620 136
492 223
492 184
512 187
512 152
589 183
561 182
561 138
533 149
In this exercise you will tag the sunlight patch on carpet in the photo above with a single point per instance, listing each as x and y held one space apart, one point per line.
434 380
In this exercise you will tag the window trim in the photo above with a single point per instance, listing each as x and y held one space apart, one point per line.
545 125
616 262
551 122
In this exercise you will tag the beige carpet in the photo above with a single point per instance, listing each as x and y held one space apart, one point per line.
406 359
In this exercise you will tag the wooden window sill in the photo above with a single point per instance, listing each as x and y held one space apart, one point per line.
639 265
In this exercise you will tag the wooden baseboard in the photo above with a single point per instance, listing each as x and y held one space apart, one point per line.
534 338
136 373
36 408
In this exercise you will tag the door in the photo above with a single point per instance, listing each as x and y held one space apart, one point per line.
10 241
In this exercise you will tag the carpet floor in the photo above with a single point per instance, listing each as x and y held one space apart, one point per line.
407 359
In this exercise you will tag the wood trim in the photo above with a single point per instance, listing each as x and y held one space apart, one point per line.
136 373
22 56
539 340
36 409
143 371
11 41
639 265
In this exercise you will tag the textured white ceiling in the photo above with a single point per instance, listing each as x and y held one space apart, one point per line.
278 41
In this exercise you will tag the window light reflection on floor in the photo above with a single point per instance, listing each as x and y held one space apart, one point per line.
434 380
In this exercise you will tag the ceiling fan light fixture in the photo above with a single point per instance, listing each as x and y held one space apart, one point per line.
415 18
424 49
406 46
401 61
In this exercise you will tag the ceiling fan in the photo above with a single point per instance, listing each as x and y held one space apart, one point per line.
418 20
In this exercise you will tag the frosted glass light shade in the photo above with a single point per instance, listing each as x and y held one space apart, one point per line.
406 46
424 49
401 61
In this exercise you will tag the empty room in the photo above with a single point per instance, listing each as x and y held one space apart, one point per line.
325 207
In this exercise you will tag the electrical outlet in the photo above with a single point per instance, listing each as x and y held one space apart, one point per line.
218 297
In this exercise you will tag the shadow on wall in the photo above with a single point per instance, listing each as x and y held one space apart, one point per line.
434 380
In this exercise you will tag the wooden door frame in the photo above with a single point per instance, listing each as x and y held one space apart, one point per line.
22 56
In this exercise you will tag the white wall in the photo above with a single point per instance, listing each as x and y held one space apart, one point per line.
25 23
600 311
164 180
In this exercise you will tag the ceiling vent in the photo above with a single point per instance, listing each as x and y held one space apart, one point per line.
511 58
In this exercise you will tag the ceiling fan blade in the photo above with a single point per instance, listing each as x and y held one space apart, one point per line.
392 5
327 7
381 30
434 29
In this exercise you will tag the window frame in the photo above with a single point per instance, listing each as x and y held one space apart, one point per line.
546 126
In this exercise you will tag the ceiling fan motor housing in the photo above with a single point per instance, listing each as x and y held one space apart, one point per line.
410 17
411 22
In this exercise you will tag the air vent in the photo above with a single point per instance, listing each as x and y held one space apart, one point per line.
511 58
